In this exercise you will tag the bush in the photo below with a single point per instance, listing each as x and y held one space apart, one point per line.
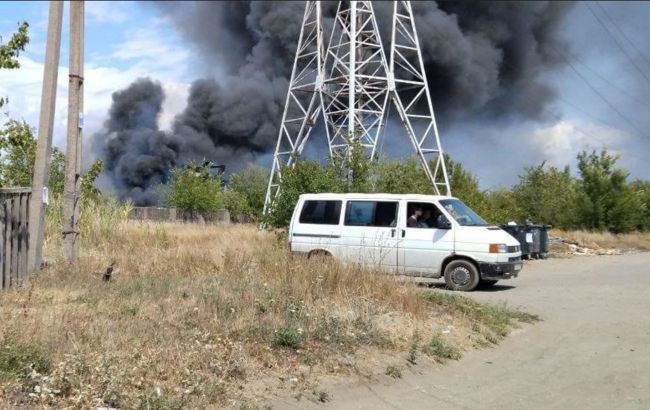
17 359
305 176
194 189
287 336
439 350
247 190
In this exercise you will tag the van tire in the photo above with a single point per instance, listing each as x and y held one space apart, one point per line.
319 255
461 275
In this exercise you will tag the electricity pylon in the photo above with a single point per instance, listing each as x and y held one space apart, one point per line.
351 83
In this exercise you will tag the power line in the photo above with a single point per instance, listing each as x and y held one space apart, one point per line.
618 44
610 83
600 95
613 22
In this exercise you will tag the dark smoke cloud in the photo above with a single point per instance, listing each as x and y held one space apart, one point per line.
482 60
136 153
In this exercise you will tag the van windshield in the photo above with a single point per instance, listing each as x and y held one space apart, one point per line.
462 213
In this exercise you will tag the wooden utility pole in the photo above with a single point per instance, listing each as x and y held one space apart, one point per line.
72 186
44 143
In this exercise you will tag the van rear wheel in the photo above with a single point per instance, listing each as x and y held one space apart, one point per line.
461 275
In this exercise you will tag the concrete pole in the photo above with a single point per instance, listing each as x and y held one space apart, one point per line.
72 186
44 143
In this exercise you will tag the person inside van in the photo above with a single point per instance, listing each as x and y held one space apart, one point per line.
414 220
425 221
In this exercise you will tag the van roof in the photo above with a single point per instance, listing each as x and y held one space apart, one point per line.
411 197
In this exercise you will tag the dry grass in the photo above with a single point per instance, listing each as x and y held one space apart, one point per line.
606 240
207 317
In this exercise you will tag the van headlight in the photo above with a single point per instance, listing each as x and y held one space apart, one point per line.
498 248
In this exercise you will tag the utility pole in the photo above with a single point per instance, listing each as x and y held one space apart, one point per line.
72 186
44 143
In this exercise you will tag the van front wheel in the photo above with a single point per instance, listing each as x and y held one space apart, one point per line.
461 275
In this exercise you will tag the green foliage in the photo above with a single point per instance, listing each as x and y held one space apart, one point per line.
464 186
18 148
606 200
642 190
88 190
194 189
305 176
245 197
402 177
394 371
9 52
17 359
547 195
287 336
57 172
18 151
440 350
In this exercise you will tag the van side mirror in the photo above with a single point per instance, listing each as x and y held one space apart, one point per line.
442 222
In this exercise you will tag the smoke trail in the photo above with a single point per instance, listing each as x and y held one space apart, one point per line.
482 59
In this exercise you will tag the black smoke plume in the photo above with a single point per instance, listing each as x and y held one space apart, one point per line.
482 60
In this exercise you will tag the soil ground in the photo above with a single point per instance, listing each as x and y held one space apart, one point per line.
591 349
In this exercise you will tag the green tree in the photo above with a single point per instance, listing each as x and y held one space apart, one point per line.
606 200
9 52
88 190
303 177
642 191
17 155
246 192
194 189
402 177
547 195
500 206
464 186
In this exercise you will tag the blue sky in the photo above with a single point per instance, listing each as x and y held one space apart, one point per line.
127 40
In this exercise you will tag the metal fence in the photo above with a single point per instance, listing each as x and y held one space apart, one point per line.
14 243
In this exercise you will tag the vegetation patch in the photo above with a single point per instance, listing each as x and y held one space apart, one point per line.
441 350
494 321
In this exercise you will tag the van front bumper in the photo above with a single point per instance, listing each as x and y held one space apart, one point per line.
500 270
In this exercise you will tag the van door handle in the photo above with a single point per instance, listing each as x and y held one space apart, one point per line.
403 233
392 233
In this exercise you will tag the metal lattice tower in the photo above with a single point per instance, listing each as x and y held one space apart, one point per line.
350 83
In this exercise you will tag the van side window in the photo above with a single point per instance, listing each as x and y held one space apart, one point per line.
371 213
422 215
321 212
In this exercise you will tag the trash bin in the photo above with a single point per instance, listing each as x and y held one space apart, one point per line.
544 245
519 232
535 233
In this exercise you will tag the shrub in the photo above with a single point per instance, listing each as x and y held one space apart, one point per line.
440 350
287 336
194 189
17 358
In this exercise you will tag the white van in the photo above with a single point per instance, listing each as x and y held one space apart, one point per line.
416 235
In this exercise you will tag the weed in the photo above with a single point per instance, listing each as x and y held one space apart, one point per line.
440 350
287 336
394 371
495 320
247 406
413 349
18 359
156 401
321 396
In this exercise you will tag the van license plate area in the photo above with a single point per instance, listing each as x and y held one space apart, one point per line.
518 267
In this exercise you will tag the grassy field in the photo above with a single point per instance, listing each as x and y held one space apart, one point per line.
210 317
606 240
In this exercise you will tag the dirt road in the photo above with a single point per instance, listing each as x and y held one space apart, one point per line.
592 349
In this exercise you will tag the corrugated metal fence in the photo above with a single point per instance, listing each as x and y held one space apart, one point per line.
14 242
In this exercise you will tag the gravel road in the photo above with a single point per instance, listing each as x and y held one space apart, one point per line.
592 349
